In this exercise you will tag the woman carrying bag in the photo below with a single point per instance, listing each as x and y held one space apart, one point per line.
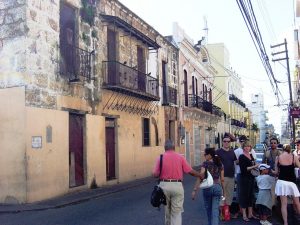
247 163
212 195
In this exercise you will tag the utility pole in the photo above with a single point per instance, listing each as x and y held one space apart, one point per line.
289 80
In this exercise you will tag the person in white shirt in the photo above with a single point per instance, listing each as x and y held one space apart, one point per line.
238 152
264 202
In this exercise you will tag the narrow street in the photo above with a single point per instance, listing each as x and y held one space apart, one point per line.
128 207
92 90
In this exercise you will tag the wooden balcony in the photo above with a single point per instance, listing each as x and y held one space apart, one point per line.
122 78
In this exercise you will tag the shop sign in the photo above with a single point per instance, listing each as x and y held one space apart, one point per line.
295 112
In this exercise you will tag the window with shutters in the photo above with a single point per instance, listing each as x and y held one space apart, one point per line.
66 39
74 61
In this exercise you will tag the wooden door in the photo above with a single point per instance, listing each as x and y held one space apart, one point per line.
110 149
186 96
76 168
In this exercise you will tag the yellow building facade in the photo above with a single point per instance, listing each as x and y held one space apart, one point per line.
229 94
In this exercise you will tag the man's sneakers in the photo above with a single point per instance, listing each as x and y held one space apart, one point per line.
265 222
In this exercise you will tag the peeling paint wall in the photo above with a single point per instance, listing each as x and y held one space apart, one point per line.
42 53
30 51
13 29
46 83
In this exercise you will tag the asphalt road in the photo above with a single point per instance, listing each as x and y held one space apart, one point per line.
129 207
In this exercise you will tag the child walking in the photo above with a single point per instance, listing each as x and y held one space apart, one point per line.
264 197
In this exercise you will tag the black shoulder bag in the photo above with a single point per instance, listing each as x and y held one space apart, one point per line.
157 196
255 171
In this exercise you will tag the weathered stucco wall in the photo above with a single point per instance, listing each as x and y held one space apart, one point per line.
95 147
134 160
12 142
48 166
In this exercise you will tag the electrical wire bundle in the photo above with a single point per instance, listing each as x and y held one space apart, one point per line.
249 17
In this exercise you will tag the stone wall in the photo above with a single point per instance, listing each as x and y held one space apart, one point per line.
46 83
42 53
30 51
13 29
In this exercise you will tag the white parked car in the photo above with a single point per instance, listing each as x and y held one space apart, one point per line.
260 148
259 156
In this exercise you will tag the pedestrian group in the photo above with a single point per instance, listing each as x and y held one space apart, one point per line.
232 169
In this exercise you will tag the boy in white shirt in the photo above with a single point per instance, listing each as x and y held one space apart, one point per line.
264 197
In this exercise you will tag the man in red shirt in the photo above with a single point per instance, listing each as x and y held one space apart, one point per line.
173 167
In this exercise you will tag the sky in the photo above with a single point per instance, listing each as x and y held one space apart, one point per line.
225 24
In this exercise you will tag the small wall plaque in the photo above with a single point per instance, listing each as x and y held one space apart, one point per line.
49 134
36 142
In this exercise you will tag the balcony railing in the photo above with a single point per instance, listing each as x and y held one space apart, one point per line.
232 97
217 111
238 123
120 77
200 103
75 63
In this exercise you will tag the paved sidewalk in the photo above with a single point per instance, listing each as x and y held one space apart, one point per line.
73 198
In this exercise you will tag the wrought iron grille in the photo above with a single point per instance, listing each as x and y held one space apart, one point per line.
75 62
122 76
200 103
238 123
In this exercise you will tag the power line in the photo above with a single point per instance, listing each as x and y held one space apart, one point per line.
230 72
249 17
266 18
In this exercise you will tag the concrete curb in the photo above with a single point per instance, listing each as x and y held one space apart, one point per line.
74 198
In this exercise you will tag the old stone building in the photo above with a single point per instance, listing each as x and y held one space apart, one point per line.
89 93
198 115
